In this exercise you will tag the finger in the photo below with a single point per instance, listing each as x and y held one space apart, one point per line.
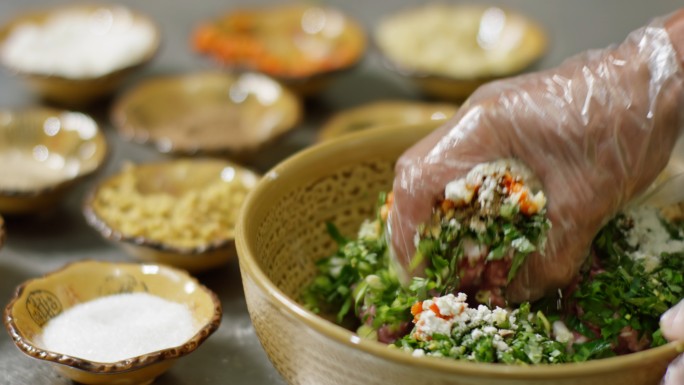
672 323
675 372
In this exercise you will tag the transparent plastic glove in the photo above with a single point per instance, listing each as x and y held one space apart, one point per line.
596 131
672 324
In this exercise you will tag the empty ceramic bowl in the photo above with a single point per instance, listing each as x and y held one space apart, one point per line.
449 50
207 113
301 45
44 152
385 113
39 301
181 212
282 233
76 54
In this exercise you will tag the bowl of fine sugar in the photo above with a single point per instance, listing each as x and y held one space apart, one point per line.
103 322
76 54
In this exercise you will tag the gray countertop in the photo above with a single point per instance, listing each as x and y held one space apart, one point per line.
37 245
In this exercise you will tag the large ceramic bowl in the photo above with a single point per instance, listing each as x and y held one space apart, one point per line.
207 113
39 300
282 233
43 153
448 50
79 88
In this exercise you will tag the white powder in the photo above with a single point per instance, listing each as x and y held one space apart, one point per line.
118 327
22 171
79 44
650 237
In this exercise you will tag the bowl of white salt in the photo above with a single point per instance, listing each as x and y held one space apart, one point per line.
74 55
44 152
121 323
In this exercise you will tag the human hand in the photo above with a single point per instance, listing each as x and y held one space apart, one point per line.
672 324
596 131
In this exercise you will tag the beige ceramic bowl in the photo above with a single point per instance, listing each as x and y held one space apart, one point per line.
37 301
76 92
385 113
449 50
303 46
207 113
182 185
43 153
281 234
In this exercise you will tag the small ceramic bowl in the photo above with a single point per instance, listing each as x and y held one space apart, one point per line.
303 46
448 50
39 300
77 84
44 152
181 212
282 233
385 113
207 113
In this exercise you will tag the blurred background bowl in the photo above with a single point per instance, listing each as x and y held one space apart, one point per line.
37 301
2 232
385 113
71 90
43 153
180 213
208 113
303 46
282 233
448 50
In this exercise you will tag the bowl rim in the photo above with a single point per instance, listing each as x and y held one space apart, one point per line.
292 80
64 183
117 112
122 366
406 70
340 335
44 12
333 127
112 234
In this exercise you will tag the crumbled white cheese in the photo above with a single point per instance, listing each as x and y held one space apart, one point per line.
455 316
561 332
459 192
522 244
485 194
649 237
369 230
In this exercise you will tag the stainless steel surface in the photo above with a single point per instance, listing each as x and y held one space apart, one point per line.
37 245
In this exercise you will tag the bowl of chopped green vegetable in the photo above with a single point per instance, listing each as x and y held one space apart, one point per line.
329 308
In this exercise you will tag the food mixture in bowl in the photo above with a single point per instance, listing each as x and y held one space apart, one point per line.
481 232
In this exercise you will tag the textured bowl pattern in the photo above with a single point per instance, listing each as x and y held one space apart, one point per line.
282 233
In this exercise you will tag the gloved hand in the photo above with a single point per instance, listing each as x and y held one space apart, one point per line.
596 131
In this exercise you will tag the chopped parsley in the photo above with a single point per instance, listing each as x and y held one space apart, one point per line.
613 309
